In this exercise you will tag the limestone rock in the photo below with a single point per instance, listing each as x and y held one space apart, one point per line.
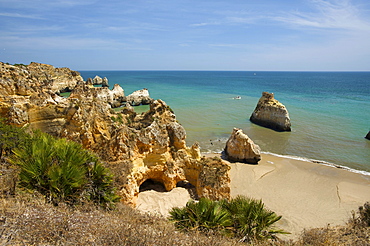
99 81
240 148
136 147
139 97
368 135
114 97
270 113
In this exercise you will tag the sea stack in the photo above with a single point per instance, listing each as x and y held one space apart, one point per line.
368 135
240 148
270 113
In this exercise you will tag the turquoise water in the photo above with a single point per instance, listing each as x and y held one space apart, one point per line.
329 111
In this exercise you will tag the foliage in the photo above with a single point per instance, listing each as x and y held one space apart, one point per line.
10 137
203 215
118 119
251 220
241 217
29 221
364 214
62 171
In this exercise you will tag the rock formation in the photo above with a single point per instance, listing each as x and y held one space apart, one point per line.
368 135
270 113
139 97
136 147
240 148
99 81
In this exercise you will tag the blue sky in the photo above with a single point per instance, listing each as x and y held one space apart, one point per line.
250 35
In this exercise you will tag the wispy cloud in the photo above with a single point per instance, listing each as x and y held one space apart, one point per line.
70 43
338 14
206 24
17 15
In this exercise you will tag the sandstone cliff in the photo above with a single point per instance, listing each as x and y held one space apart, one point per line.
240 148
270 113
137 147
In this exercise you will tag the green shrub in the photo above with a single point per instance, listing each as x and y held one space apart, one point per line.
10 137
251 220
240 217
63 171
203 215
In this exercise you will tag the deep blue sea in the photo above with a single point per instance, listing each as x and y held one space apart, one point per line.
329 111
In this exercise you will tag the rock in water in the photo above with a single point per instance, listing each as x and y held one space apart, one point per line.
239 147
270 113
368 135
139 97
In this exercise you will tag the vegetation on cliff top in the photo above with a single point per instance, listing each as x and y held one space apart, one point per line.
60 170
65 173
240 217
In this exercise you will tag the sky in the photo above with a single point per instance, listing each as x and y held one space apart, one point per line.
243 35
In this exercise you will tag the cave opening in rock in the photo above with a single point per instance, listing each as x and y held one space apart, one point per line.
151 184
190 187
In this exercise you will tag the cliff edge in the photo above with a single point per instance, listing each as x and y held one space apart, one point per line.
137 147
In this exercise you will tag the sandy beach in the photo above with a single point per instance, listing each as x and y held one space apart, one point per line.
306 194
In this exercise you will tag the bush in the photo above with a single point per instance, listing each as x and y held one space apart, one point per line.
63 171
10 137
251 220
240 217
203 215
364 214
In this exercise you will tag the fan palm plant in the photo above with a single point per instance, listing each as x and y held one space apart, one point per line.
203 215
251 220
62 170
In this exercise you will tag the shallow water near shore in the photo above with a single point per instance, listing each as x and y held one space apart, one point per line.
329 111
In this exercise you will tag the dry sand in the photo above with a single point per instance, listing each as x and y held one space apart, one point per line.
306 194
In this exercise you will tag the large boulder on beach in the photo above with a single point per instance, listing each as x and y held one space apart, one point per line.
270 113
240 148
368 135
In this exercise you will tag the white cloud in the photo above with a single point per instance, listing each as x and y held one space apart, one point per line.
337 14
17 15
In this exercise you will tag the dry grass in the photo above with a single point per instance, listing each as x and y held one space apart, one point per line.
29 221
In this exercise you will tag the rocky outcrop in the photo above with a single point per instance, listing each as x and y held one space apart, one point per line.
99 81
139 97
240 148
368 135
270 113
86 91
137 147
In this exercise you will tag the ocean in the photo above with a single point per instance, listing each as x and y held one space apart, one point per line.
329 111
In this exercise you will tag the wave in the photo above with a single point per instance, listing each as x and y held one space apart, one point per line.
325 163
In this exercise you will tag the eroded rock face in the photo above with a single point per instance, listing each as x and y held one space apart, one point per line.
136 147
368 135
97 80
240 148
139 97
270 113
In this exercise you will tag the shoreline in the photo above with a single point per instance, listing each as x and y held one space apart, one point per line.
300 158
305 193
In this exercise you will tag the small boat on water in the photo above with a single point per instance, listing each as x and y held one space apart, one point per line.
237 97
